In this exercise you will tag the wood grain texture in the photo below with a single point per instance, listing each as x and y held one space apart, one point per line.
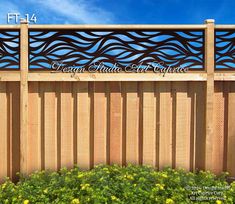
132 122
13 91
163 90
200 124
66 125
182 148
81 93
149 124
231 130
116 121
100 123
4 139
209 66
34 137
50 126
24 97
218 119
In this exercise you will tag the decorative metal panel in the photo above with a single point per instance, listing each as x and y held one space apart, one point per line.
175 48
9 49
225 49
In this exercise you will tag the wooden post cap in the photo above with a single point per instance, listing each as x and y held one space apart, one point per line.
210 21
23 21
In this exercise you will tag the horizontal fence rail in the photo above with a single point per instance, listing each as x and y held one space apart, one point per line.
50 119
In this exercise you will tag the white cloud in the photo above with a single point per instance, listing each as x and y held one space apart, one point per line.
79 11
7 7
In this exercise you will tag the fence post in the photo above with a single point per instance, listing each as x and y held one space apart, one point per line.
23 95
209 66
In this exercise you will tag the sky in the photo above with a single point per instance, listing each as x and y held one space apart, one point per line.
121 11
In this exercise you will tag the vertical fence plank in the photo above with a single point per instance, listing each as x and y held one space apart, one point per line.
100 123
66 125
182 149
34 125
149 124
218 134
4 156
200 126
81 92
132 123
50 126
165 124
13 91
116 140
24 97
209 66
231 130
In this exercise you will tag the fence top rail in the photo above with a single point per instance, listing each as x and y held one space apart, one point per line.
117 27
9 27
224 27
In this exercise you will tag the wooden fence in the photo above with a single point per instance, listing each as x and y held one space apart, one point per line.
50 119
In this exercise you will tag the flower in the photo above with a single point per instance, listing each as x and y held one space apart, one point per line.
218 202
113 198
75 201
45 191
80 175
169 201
4 185
164 175
130 177
26 201
160 186
84 186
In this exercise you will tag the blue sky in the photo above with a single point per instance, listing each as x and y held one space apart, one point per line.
121 11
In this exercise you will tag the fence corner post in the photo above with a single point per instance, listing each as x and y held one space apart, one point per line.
23 95
210 68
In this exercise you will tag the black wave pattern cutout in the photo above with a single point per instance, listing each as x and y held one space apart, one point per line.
9 49
84 48
225 49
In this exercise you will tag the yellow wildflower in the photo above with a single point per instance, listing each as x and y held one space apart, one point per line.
26 201
218 202
164 175
160 186
113 198
130 177
4 185
80 175
46 190
75 201
169 201
84 186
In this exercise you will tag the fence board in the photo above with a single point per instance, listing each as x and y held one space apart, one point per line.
165 124
149 124
132 122
231 130
66 125
13 91
200 140
50 126
34 137
116 110
218 141
100 123
182 132
4 139
81 91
